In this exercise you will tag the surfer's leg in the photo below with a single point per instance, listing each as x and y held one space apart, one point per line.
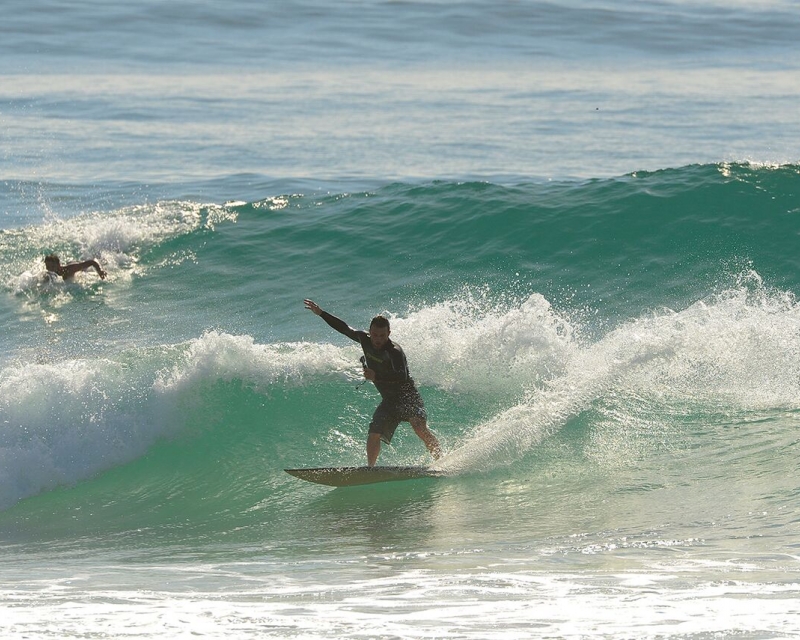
373 448
420 426
384 422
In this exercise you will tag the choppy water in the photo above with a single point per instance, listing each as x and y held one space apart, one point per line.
582 221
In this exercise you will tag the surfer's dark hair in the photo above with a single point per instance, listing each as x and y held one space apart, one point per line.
50 259
380 322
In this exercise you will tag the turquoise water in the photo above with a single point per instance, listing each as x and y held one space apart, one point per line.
582 222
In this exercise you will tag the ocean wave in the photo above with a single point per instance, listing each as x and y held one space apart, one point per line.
735 352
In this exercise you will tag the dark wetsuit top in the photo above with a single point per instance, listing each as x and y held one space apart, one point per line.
401 400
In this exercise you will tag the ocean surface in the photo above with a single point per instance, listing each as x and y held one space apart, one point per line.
583 221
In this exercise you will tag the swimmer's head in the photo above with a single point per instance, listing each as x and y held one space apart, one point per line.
52 263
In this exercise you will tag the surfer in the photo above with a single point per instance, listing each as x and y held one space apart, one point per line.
67 271
386 366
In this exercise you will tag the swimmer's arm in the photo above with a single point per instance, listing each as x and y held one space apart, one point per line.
71 269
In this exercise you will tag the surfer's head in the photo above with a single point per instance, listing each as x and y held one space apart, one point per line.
52 263
379 331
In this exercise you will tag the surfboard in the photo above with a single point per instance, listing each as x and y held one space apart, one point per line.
352 476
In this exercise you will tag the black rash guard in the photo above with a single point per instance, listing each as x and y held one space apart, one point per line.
392 378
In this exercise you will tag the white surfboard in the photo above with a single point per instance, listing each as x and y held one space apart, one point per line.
351 476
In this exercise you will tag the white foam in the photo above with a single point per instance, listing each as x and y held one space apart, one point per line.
67 421
221 356
410 599
469 345
114 238
739 349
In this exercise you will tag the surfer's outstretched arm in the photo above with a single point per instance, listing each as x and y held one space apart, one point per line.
335 323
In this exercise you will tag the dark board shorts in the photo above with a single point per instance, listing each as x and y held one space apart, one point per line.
391 413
